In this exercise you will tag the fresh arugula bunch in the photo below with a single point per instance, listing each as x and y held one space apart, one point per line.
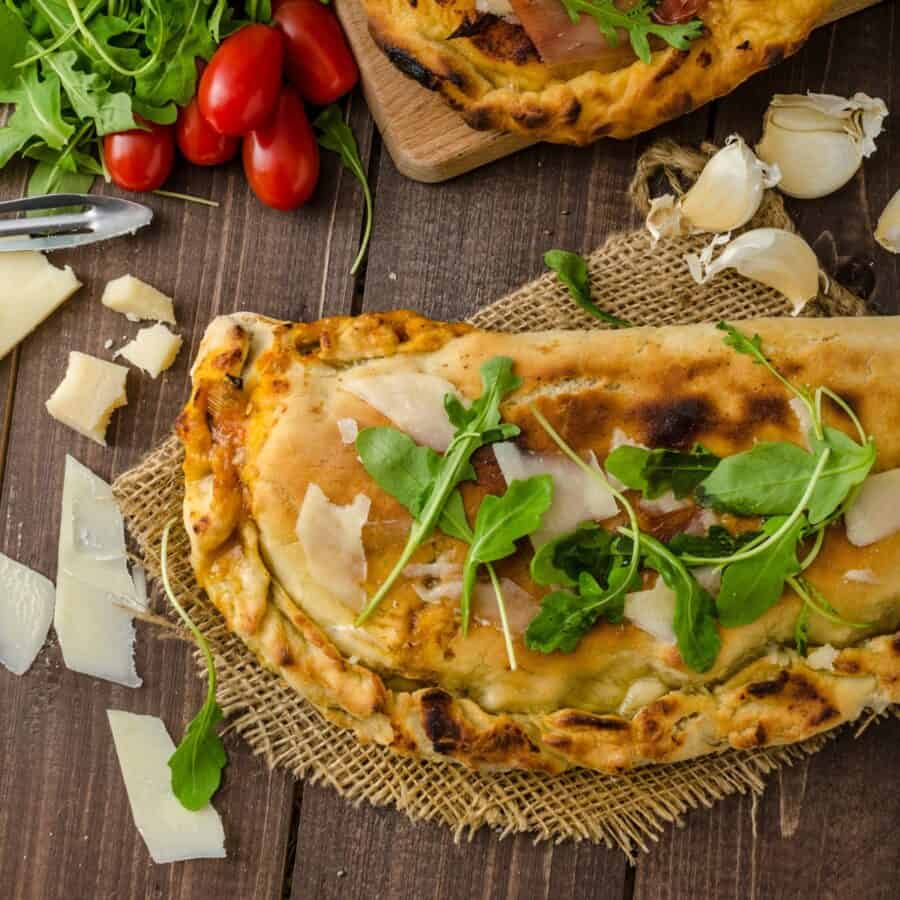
572 271
198 760
77 70
427 484
637 21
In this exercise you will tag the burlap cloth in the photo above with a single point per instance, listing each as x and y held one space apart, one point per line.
629 811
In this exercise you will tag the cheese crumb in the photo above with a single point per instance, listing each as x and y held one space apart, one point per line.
875 514
823 658
138 300
86 397
30 289
107 343
153 350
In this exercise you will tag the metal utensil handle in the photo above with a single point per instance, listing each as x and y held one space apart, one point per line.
62 223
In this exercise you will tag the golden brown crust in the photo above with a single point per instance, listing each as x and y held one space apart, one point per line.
260 427
488 69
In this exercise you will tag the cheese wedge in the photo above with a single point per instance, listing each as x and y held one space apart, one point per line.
30 289
153 350
138 300
88 394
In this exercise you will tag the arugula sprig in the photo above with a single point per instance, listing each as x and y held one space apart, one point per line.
335 135
198 760
429 487
654 472
637 21
572 271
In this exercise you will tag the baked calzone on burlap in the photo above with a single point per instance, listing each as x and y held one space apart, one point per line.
560 70
601 549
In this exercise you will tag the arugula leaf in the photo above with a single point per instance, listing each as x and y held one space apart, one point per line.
638 21
718 541
695 611
482 425
565 618
771 478
657 471
198 760
751 587
335 135
571 269
407 472
38 114
586 549
501 521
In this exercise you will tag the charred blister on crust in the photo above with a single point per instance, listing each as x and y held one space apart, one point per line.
675 61
412 68
438 722
576 719
704 59
768 688
677 423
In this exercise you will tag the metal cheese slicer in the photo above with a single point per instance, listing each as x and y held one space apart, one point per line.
70 221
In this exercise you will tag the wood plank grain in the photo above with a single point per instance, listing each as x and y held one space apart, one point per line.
347 852
859 54
825 828
822 828
446 251
59 776
429 141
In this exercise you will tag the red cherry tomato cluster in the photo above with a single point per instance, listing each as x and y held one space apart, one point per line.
241 97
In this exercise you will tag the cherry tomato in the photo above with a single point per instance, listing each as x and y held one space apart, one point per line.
239 87
281 159
317 58
672 12
199 142
139 160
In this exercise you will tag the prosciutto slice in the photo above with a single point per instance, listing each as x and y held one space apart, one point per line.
560 41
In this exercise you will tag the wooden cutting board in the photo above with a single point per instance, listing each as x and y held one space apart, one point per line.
427 140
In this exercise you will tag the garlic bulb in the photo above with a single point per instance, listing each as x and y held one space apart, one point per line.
888 232
819 140
729 190
776 258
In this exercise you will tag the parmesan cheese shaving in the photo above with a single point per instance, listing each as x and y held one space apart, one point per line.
861 576
153 350
349 429
640 694
653 611
822 657
804 419
138 300
30 290
26 611
521 607
88 394
170 831
95 596
331 537
413 401
577 497
875 514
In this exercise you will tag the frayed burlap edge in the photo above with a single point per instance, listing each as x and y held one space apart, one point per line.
629 811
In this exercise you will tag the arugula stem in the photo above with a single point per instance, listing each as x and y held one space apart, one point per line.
788 523
811 595
198 635
87 34
367 230
190 198
501 608
59 42
599 477
810 557
845 406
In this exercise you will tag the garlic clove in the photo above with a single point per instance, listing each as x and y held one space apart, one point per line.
819 140
888 232
729 190
774 257
665 219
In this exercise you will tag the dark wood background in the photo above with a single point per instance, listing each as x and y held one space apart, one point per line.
825 828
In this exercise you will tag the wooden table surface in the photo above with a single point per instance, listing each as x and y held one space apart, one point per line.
825 828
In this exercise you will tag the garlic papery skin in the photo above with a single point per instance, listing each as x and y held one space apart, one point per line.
729 190
774 257
665 219
819 140
888 232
